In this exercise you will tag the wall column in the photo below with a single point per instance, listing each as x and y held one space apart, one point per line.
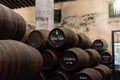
44 14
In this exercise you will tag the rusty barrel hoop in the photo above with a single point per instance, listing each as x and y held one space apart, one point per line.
19 61
12 25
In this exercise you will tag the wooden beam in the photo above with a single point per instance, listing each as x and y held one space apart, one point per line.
10 2
31 3
21 3
6 4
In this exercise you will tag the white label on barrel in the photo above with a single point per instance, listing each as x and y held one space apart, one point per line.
83 78
57 38
98 44
69 60
106 57
53 38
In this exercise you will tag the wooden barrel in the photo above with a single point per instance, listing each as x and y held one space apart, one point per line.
50 59
106 57
74 59
40 77
95 57
87 74
12 25
25 37
38 39
105 71
62 38
84 41
100 45
19 61
58 75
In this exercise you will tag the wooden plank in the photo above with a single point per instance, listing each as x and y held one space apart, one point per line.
25 2
31 3
8 4
16 2
21 3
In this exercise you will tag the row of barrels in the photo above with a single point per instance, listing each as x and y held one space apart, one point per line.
74 64
74 59
22 62
65 52
63 38
99 72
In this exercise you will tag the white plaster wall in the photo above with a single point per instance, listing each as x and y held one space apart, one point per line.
28 13
44 14
90 18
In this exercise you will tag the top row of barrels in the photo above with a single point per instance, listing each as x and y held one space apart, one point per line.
63 38
13 26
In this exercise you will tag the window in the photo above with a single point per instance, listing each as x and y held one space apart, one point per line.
114 9
57 15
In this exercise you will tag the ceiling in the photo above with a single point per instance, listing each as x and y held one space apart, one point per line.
17 3
23 3
62 0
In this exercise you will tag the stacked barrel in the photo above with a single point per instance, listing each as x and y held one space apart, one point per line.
70 56
12 25
18 61
59 54
101 46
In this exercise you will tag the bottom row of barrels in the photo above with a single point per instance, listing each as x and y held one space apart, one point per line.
100 72
22 62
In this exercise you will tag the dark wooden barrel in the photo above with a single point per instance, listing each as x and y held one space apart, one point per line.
38 39
12 25
105 71
106 57
84 41
62 38
87 74
25 37
19 61
100 45
58 75
40 77
95 57
74 59
50 59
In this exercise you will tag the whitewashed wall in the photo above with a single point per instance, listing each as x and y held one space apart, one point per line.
90 18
